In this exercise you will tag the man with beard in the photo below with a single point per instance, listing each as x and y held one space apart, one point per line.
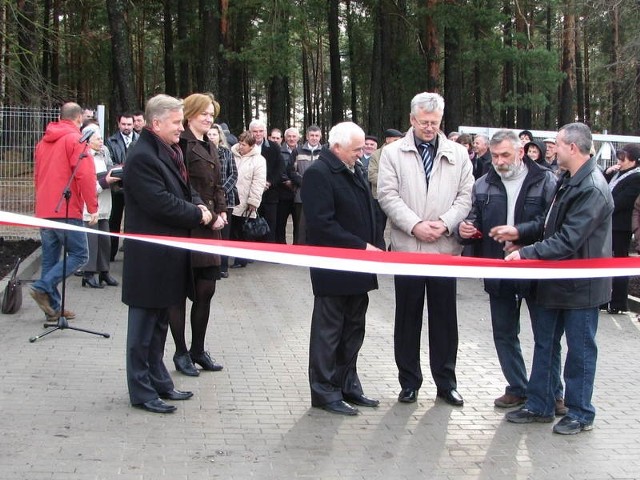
520 191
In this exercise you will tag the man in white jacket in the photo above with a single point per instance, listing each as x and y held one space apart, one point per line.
424 188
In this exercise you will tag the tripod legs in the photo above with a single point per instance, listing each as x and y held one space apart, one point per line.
63 324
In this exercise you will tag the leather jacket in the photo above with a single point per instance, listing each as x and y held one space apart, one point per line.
578 225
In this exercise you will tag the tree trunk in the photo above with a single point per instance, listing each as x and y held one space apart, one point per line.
210 31
507 112
337 98
277 95
121 54
579 74
184 29
376 94
587 81
617 103
170 85
453 82
26 54
566 111
352 76
550 100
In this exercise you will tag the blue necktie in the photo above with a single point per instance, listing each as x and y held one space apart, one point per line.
427 158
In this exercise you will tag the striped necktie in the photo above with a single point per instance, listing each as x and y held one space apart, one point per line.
427 158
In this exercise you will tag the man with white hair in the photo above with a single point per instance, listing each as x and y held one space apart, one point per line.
424 187
482 161
339 213
275 169
287 189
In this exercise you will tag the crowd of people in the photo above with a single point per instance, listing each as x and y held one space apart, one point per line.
173 171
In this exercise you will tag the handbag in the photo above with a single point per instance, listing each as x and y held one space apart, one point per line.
254 228
12 297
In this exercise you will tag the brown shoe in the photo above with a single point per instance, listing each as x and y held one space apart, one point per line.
561 410
42 299
68 314
507 401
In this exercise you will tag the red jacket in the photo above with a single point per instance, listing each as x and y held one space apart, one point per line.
56 156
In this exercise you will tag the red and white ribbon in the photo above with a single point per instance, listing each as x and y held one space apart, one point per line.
389 263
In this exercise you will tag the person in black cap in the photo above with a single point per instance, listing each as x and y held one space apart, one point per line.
370 146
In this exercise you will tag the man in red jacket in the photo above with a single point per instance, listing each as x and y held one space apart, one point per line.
56 156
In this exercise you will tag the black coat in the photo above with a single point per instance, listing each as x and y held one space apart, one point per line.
624 195
275 169
338 209
159 202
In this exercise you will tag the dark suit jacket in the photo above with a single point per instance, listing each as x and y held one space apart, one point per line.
338 209
275 169
624 196
159 202
116 147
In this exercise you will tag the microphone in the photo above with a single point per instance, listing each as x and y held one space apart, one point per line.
86 135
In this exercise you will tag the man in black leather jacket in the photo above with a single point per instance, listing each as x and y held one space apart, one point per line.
577 226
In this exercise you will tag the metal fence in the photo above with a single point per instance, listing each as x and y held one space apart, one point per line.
605 145
20 129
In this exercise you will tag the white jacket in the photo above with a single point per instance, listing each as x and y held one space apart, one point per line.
252 178
403 194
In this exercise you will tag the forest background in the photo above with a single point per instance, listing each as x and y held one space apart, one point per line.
498 63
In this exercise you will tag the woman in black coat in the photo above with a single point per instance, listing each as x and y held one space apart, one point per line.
203 167
624 182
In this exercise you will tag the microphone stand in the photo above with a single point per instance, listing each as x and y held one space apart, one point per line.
62 323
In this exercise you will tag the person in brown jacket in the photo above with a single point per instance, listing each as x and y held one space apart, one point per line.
203 167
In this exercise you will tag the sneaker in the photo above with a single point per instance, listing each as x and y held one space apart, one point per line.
571 426
68 314
508 400
561 410
523 415
42 299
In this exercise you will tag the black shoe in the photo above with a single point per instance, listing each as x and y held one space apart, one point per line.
184 364
570 426
104 277
615 311
205 361
452 397
340 407
90 281
524 415
176 395
362 400
224 274
156 406
408 395
79 273
238 265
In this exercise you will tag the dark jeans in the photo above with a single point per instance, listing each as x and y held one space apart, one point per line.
52 261
580 327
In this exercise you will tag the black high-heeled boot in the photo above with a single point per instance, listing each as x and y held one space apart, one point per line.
89 280
104 277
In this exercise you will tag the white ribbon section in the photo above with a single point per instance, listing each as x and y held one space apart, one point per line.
388 263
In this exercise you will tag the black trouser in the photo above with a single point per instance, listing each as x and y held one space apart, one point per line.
337 333
621 241
285 208
115 220
443 329
381 224
226 235
270 213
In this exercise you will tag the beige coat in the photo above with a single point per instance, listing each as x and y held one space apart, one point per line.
403 195
252 178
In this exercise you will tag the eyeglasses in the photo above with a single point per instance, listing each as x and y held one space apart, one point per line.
427 123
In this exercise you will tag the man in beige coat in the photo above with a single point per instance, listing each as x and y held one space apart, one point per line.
424 188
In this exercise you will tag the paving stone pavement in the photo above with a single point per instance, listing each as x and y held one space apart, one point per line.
65 412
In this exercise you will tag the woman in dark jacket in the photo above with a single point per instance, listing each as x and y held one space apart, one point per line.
203 167
624 183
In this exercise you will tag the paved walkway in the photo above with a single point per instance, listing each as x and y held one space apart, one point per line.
65 412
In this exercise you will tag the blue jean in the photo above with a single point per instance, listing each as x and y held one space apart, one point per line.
580 327
77 256
505 320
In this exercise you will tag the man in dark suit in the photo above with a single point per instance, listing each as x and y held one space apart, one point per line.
275 169
118 145
338 207
160 201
